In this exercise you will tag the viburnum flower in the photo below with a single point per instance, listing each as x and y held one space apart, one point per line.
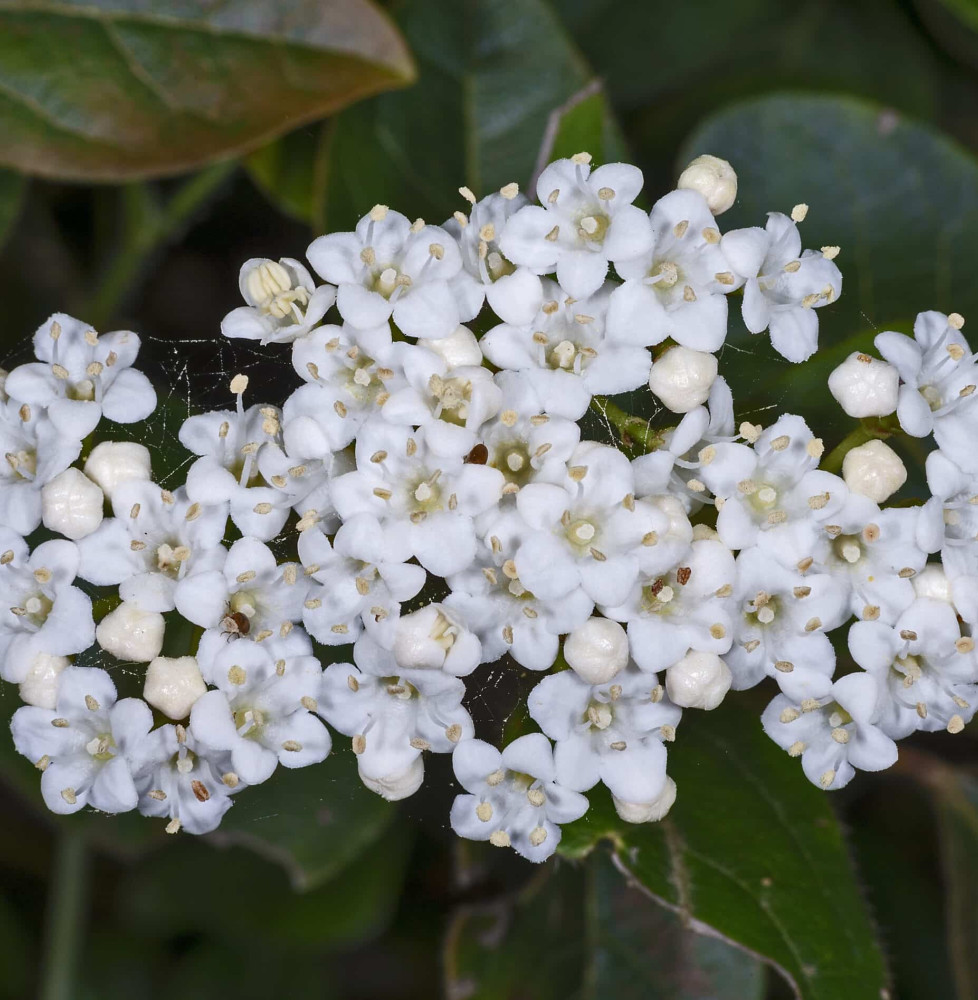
391 268
584 221
783 285
42 613
514 799
86 745
80 376
938 375
834 734
612 732
678 287
178 779
283 302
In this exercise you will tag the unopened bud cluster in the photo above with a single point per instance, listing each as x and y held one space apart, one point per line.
638 580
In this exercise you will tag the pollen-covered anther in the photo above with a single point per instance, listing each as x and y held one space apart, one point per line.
840 735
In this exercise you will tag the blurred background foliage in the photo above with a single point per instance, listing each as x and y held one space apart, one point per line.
146 150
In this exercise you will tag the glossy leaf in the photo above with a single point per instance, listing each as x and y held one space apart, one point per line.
750 852
157 89
491 74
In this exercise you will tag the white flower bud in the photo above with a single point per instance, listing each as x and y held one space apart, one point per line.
597 650
932 582
173 684
434 638
40 686
115 462
714 178
874 470
698 680
864 386
458 348
397 786
648 812
129 633
72 504
681 378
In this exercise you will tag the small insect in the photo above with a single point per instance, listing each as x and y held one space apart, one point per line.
234 624
479 455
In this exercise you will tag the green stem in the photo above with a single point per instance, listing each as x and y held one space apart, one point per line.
67 894
637 434
871 429
147 228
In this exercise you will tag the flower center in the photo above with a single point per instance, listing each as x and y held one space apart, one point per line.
665 273
762 610
387 280
101 746
593 228
270 286
23 464
169 558
452 397
848 549
599 715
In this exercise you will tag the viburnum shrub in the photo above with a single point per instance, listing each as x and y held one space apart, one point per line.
697 556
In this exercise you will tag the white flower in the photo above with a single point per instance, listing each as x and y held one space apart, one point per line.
80 376
155 539
610 732
250 595
392 714
698 680
262 710
435 638
647 812
34 452
566 354
228 442
363 572
514 293
112 463
713 178
71 504
40 686
451 404
874 470
391 267
780 626
864 386
679 287
460 347
784 286
86 745
283 302
130 633
395 787
597 650
586 220
40 610
513 798
506 616
178 778
938 375
682 378
927 671
682 608
834 734
173 684
432 499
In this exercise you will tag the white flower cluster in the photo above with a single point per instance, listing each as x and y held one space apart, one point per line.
416 454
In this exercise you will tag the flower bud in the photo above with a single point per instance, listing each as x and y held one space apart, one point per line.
874 470
40 686
647 812
397 786
434 638
173 684
597 650
864 386
681 378
129 633
458 348
932 582
115 462
714 178
71 504
698 680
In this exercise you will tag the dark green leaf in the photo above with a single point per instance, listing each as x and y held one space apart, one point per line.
751 852
12 188
312 820
158 89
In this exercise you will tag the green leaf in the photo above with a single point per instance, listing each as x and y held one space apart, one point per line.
313 820
12 189
491 75
582 932
750 852
121 89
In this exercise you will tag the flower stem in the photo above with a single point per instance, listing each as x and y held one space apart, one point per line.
869 429
147 228
637 434
64 920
